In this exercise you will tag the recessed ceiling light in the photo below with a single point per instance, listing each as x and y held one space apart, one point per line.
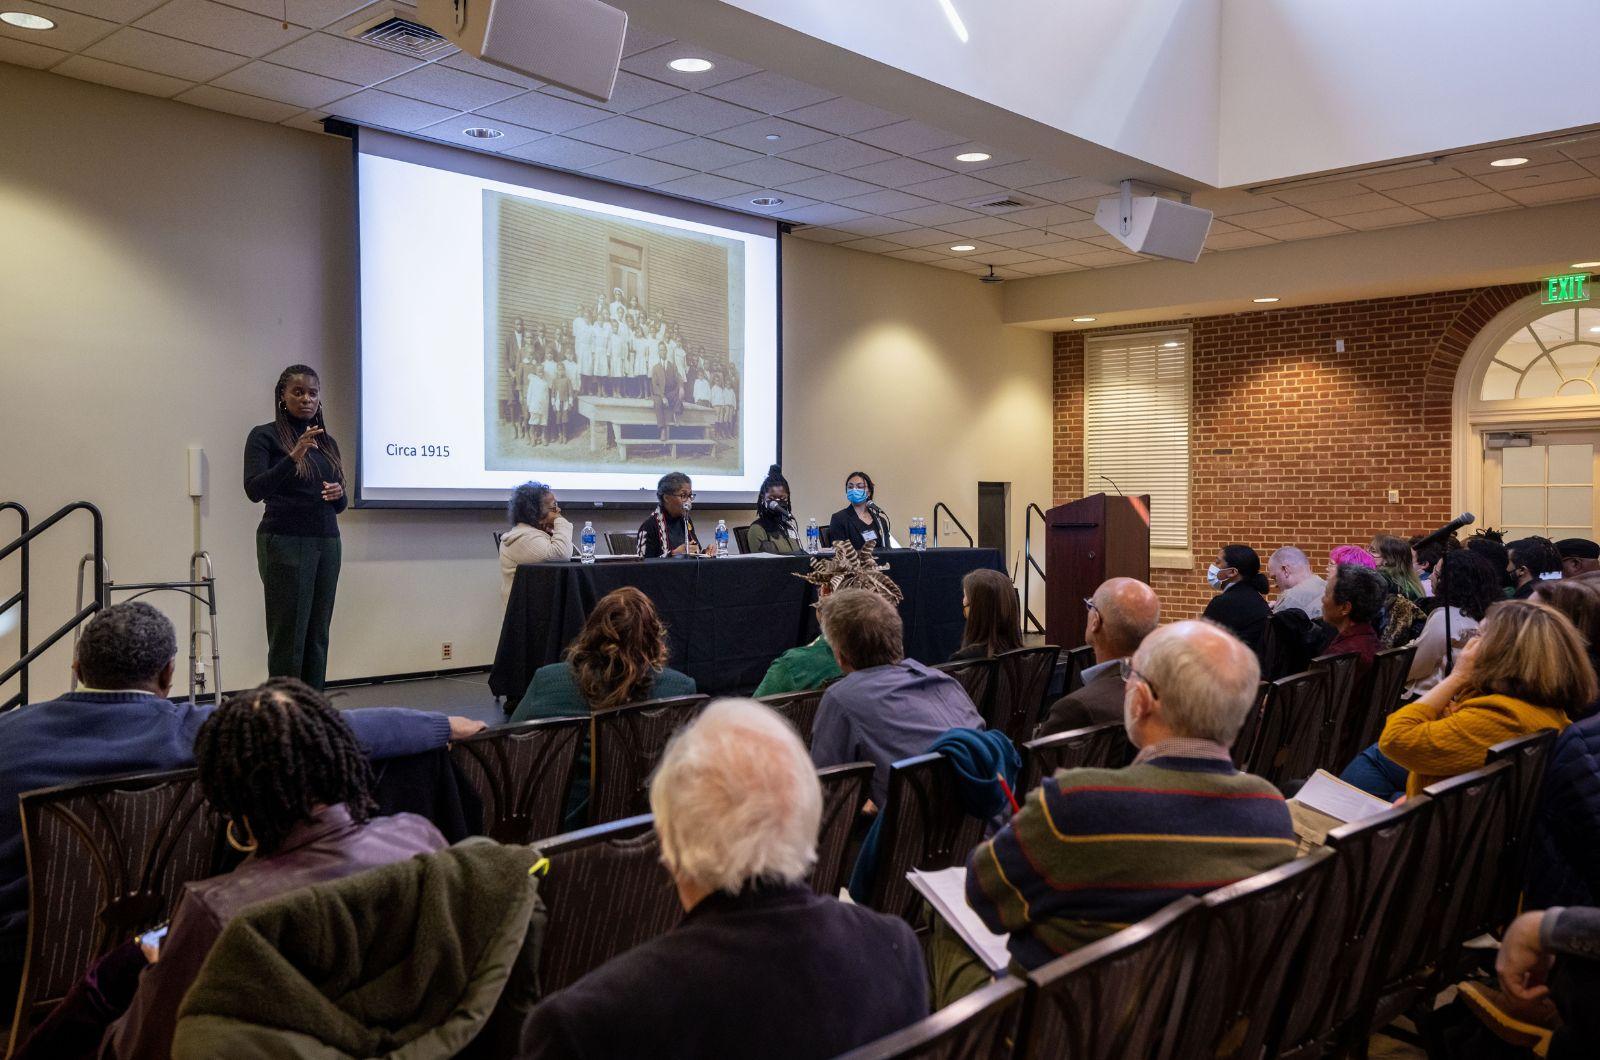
1083 320
773 136
766 200
1263 299
26 20
962 248
479 132
691 65
1507 163
973 156
1586 264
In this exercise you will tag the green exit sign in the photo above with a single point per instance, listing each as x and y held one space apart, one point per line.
1573 288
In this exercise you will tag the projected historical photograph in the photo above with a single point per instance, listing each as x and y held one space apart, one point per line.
610 344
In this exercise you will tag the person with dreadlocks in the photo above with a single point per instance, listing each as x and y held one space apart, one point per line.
813 665
293 465
774 530
668 531
288 775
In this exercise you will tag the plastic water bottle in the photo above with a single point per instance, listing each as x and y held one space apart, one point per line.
919 533
722 538
813 538
586 544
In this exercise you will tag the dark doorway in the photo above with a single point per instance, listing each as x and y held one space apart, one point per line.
994 500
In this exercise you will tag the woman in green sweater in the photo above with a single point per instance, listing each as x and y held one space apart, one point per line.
619 657
813 665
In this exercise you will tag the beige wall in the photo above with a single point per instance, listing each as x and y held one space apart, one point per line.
161 263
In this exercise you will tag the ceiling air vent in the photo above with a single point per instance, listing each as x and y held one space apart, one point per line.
1002 203
406 37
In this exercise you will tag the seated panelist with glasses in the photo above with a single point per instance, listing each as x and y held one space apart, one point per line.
669 530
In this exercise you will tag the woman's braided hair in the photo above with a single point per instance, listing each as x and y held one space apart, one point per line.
269 756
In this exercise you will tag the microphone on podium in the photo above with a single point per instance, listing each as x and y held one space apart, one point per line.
1114 485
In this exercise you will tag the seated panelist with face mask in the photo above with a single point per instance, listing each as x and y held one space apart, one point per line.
861 521
774 530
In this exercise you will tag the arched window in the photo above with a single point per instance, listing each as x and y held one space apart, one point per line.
1552 360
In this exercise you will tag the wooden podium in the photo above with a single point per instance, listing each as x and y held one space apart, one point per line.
1088 541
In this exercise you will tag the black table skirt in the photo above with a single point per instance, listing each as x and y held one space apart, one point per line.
727 619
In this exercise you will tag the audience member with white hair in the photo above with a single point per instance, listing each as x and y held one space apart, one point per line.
1122 613
1093 850
760 965
1298 588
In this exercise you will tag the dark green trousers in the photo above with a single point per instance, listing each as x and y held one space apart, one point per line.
300 576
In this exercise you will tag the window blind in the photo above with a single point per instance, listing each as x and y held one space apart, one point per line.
1136 424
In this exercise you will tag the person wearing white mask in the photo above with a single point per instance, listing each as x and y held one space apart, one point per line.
1241 603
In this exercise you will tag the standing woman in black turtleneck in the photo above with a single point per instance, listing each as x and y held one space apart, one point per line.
293 465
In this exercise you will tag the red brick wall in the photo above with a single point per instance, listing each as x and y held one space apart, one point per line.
1294 444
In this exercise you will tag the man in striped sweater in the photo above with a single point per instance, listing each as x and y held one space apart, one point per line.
1094 850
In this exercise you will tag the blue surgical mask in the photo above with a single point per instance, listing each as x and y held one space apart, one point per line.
1211 576
855 496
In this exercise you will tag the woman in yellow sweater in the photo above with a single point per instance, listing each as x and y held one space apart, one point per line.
1519 675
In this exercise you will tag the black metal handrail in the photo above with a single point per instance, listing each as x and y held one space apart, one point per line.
937 507
1027 552
21 544
20 597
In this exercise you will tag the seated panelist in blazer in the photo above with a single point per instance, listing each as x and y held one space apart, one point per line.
860 521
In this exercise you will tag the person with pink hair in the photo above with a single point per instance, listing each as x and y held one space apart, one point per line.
1350 554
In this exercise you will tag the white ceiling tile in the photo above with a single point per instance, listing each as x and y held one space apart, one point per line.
702 154
1303 229
961 264
1022 174
753 135
1566 190
1106 241
125 77
772 171
830 187
631 93
463 61
940 214
535 110
837 155
23 53
625 133
167 55
1043 267
1405 178
916 255
285 85
769 92
1385 218
219 26
1008 272
1026 237
1460 187
1527 176
1585 148
707 186
897 172
123 11
1339 189
653 63
1237 240
946 156
842 116
563 153
641 40
391 111
870 245
1064 248
1233 200
638 170
447 87
1106 258
983 226
920 237
307 120
1072 229
883 200
955 187
1008 257
1365 202
909 138
1070 190
213 98
1278 215
452 131
868 225
312 13
823 235
696 114
824 214
73 31
343 60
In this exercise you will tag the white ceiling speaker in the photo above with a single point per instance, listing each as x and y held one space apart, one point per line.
1148 224
575 44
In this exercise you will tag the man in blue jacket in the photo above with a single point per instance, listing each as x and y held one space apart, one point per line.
120 721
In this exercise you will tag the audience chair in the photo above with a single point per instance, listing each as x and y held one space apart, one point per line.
521 774
923 826
1021 685
1344 692
1528 756
741 534
978 677
622 543
980 1026
106 860
1103 746
844 791
800 708
1244 743
1245 947
1390 668
605 893
1378 877
825 536
1470 814
1290 728
624 745
1114 998
1285 645
1079 659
